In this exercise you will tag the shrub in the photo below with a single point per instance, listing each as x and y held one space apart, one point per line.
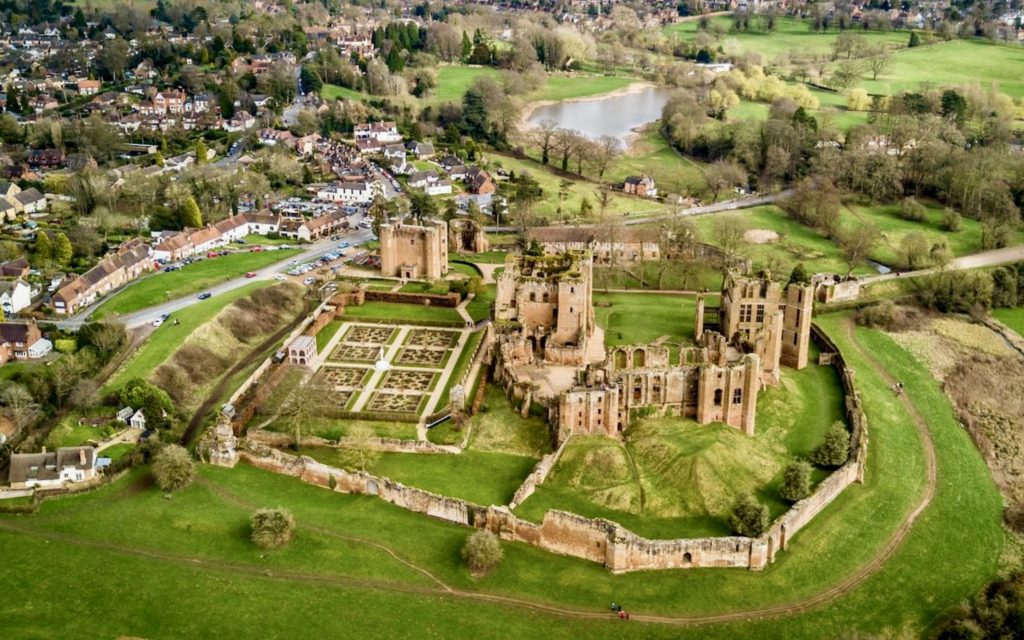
482 551
272 528
951 220
889 316
957 291
835 451
173 468
749 517
65 345
911 209
995 613
796 481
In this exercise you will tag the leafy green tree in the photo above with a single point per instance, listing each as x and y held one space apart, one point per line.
173 468
749 517
191 216
62 251
154 402
951 221
201 152
835 450
467 47
43 248
915 40
272 528
799 274
796 481
482 551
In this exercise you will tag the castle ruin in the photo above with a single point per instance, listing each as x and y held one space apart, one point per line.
544 312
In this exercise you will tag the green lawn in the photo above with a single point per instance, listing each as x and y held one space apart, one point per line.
639 318
336 92
454 80
484 257
796 242
479 307
547 207
1013 318
160 287
197 543
485 478
567 87
324 335
169 336
688 475
669 274
957 62
117 451
402 312
651 155
791 36
463 363
499 427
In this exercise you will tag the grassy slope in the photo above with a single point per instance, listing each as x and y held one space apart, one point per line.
336 92
482 477
161 287
951 551
567 87
651 155
690 474
547 207
480 306
168 337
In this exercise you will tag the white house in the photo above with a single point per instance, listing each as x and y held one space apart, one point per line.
52 469
350 192
138 421
383 132
439 188
15 295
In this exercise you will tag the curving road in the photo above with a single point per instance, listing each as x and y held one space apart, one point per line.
355 237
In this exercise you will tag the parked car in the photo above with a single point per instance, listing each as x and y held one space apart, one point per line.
251 274
344 245
309 280
158 322
204 295
280 276
212 254
279 357
255 249
164 316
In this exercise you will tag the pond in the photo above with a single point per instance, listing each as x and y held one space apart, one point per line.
612 115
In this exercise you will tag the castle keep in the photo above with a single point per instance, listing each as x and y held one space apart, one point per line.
413 252
544 307
544 303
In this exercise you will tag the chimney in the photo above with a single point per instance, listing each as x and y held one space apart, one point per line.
81 456
44 449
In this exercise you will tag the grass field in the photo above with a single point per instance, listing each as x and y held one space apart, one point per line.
567 87
336 92
401 312
639 318
479 307
650 154
791 35
956 62
161 287
169 336
576 190
675 276
482 477
686 475
453 81
197 544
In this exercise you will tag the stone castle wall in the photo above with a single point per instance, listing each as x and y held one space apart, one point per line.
596 539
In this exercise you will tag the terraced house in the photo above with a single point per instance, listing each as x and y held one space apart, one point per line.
129 261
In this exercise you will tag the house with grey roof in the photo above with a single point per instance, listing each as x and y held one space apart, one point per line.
52 469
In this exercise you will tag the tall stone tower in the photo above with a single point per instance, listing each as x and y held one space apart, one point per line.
413 252
796 328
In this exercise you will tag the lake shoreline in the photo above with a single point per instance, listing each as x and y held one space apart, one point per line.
633 88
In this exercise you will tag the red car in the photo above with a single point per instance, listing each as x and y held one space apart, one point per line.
212 254
251 274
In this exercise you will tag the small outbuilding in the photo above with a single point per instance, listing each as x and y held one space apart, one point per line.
302 351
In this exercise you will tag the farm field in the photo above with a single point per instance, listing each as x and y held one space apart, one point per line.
199 538
160 287
169 337
686 475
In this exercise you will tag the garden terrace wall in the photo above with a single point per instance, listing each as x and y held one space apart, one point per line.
391 445
596 539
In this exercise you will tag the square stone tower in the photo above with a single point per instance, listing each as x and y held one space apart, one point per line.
413 252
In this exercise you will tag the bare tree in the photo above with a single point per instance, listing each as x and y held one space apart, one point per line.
543 135
879 61
565 141
606 150
722 176
729 235
857 243
360 444
20 404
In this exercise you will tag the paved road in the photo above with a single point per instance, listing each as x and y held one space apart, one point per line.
991 258
146 316
291 114
718 207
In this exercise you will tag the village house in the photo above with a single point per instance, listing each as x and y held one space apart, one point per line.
422 150
45 158
22 341
189 242
17 268
88 87
128 262
52 469
479 182
642 186
315 228
350 192
383 132
29 201
15 295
